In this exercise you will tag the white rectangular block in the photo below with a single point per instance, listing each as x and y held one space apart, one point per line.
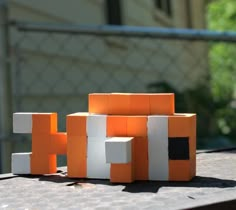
96 125
22 122
119 149
97 167
20 163
158 147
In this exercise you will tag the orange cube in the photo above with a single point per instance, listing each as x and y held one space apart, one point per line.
118 104
98 103
181 125
44 123
43 164
58 143
137 126
41 144
162 104
116 126
122 173
76 124
139 104
180 170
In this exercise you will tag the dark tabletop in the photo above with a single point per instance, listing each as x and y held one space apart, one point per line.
215 182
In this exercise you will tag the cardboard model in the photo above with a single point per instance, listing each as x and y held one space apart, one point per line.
123 137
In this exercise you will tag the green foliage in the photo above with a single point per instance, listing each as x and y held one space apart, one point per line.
221 16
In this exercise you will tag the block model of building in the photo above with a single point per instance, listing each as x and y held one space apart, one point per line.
122 137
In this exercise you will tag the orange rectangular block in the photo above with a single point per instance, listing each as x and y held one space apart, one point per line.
119 104
180 170
58 144
121 173
141 158
98 103
43 164
139 104
76 124
41 143
116 126
77 156
181 125
44 123
137 126
162 104
184 125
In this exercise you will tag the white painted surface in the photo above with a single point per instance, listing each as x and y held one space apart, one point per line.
118 149
22 122
158 147
20 163
79 114
96 125
97 167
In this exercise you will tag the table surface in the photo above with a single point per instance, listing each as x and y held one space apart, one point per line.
215 182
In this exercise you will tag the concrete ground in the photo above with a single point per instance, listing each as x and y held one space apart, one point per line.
215 182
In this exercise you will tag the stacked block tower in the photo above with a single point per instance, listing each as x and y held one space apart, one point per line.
122 137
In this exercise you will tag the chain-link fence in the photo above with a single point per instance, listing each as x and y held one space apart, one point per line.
55 67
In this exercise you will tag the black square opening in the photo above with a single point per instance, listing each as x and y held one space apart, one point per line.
178 148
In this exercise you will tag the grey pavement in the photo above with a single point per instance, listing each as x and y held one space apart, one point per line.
215 182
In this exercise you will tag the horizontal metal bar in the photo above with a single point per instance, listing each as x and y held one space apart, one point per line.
129 31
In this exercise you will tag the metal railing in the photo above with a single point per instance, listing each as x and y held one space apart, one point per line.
129 31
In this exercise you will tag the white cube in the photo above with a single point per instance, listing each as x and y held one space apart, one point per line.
20 163
119 150
97 168
22 122
96 125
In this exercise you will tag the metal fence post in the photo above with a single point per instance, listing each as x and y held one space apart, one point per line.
5 91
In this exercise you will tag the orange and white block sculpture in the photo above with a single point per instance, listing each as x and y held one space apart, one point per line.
123 137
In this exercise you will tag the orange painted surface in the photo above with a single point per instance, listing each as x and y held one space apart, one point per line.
192 138
58 144
98 103
77 156
41 143
118 104
180 170
122 173
184 125
137 126
192 146
116 126
141 158
44 123
193 166
76 124
162 104
139 104
43 164
181 125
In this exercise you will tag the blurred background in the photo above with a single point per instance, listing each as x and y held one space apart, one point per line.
53 53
